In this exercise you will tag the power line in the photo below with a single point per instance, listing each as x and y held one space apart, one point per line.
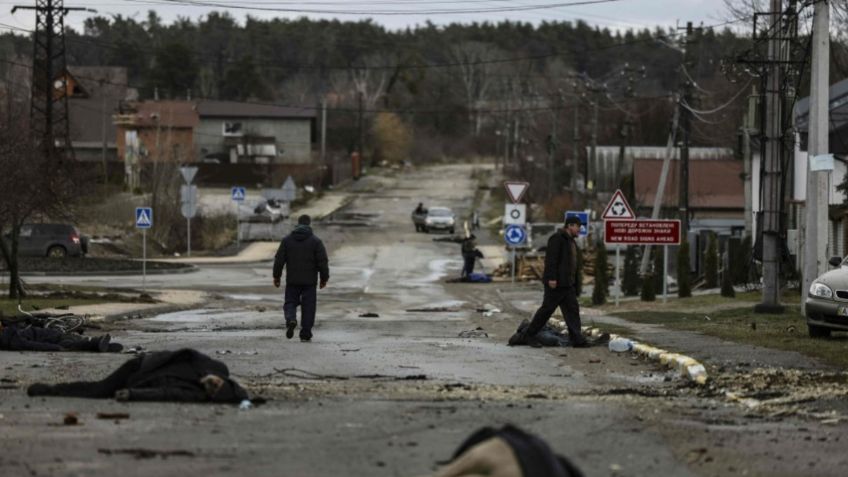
522 8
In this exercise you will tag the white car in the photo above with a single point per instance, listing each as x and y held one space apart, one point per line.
440 218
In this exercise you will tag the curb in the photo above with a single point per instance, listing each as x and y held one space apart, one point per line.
688 367
109 273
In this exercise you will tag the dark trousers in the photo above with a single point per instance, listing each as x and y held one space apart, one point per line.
306 297
96 389
468 264
566 300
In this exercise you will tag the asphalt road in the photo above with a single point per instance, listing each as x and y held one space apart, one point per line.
390 395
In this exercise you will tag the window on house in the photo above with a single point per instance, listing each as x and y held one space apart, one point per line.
232 128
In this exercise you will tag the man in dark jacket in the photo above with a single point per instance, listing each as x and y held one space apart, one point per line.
304 257
18 337
560 282
184 375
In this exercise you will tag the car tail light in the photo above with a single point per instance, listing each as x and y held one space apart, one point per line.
75 238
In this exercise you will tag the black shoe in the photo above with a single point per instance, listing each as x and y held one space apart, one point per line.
290 326
115 348
517 339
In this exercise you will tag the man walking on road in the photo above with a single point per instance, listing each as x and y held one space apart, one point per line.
305 259
560 282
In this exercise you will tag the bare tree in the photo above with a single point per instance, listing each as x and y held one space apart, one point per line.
474 68
32 182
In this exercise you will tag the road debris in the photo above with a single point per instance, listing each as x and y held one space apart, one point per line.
369 315
113 415
139 453
70 419
475 333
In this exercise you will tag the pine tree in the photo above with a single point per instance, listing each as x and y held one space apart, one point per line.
659 269
711 263
630 280
648 292
684 286
601 290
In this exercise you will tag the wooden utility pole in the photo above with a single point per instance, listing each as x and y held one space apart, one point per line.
815 242
685 126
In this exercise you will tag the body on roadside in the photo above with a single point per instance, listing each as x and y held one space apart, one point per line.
304 258
560 287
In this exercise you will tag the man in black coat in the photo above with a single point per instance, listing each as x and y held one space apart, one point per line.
184 375
304 257
560 282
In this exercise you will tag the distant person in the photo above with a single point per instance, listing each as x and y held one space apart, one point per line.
560 283
304 257
468 249
420 209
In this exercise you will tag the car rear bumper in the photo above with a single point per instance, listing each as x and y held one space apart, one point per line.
826 313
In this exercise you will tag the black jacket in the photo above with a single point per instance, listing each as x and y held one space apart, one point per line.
303 256
558 260
29 338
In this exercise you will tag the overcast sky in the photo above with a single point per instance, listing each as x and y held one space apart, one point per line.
397 14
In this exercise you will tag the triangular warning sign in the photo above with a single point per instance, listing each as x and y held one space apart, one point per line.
516 190
618 208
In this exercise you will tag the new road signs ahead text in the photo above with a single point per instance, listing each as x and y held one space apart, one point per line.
642 232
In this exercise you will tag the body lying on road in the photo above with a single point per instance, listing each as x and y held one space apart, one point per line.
20 337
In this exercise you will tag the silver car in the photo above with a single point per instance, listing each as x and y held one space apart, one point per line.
440 218
827 301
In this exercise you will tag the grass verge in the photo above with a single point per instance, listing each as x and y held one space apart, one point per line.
787 331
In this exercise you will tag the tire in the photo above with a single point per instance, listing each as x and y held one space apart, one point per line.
57 251
818 331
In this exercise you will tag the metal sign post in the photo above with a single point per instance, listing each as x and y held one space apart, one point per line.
189 200
514 235
513 265
237 194
143 221
617 273
665 273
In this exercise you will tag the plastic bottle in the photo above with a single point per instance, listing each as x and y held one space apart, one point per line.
620 345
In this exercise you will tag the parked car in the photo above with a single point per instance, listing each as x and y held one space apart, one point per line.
827 301
51 240
440 218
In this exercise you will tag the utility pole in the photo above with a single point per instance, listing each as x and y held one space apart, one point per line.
323 129
361 128
552 146
49 98
815 243
575 148
592 164
772 171
685 126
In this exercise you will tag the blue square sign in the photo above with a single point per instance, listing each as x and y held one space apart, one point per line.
143 217
238 194
584 220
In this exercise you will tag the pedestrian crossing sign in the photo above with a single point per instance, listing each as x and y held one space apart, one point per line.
238 194
143 217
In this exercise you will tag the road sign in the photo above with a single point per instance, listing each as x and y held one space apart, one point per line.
188 201
584 220
515 235
516 190
642 232
238 194
289 190
515 214
188 173
618 208
143 217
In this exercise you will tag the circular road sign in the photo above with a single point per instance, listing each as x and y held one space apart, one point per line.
515 235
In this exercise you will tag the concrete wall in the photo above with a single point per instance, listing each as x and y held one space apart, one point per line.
292 136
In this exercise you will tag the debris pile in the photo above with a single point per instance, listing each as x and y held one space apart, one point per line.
531 266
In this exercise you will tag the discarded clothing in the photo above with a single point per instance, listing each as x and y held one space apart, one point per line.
472 277
15 337
185 375
533 454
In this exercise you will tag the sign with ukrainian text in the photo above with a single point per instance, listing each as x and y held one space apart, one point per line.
642 232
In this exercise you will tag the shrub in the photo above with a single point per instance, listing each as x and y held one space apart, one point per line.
630 280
